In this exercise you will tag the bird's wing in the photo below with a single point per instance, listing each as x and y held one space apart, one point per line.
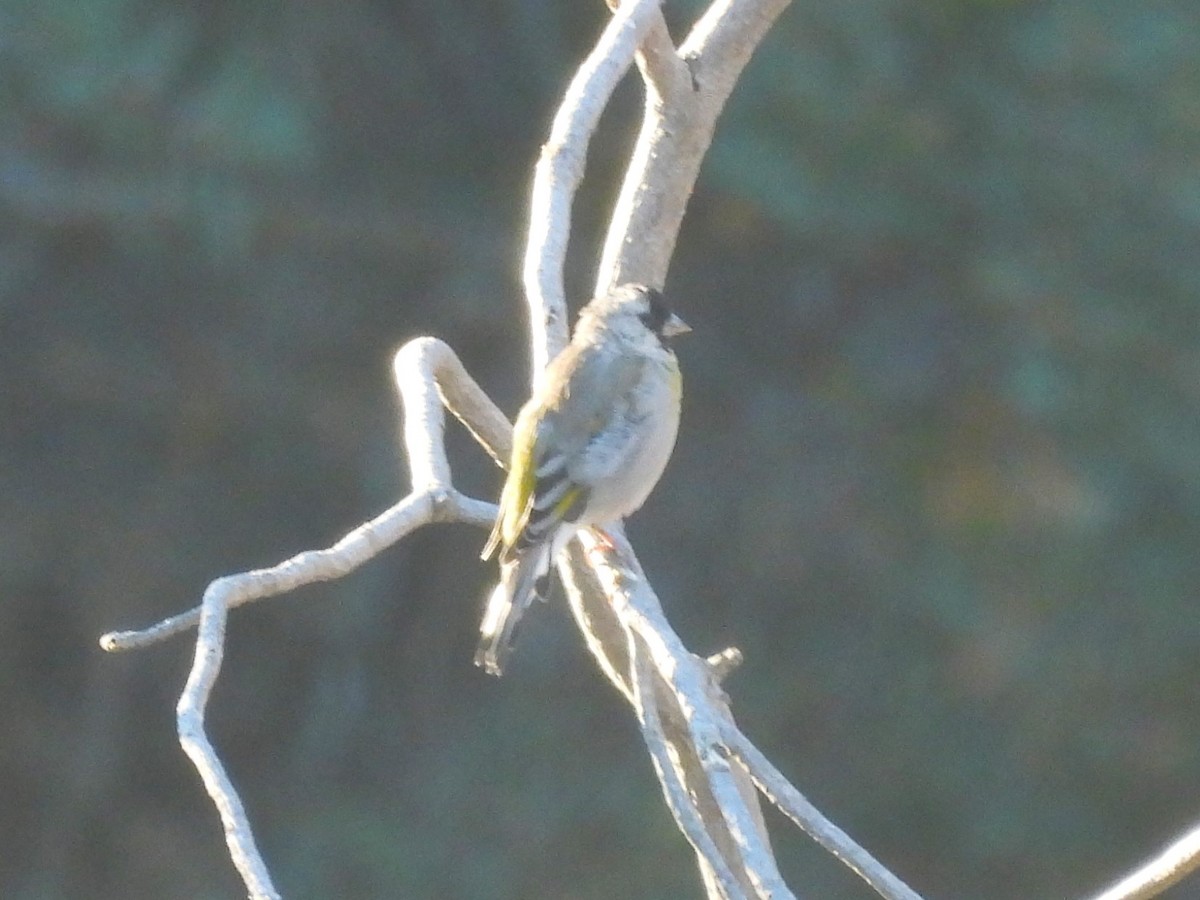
585 430
516 499
609 446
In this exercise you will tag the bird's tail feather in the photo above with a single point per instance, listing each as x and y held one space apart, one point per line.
517 588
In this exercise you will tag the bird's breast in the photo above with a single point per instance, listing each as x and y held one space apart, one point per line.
655 415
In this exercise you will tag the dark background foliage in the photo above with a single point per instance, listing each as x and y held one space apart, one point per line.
938 475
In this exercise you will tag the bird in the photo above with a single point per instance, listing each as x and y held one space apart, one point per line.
588 447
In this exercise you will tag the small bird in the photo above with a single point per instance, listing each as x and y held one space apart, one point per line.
588 447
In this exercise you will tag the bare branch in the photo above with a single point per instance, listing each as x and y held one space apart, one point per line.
657 60
189 716
428 375
677 128
1178 860
560 169
678 123
363 543
681 707
707 769
420 366
675 791
797 808
662 69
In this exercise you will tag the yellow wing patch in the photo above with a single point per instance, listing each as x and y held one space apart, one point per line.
517 496
566 505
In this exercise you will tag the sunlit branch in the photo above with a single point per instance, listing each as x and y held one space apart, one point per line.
1178 860
559 171
429 379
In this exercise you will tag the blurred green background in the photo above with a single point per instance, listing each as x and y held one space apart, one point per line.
938 476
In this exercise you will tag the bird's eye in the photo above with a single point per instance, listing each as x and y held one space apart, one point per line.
655 317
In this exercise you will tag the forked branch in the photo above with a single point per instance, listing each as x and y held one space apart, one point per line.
427 375
710 772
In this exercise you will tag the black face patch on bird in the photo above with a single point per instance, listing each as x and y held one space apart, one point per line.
655 317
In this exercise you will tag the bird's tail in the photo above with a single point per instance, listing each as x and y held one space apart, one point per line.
518 587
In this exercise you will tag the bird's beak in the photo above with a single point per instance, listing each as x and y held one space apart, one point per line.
675 326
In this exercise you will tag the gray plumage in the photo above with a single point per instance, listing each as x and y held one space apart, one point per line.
588 447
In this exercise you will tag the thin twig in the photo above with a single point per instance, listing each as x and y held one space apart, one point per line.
429 377
796 807
356 547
